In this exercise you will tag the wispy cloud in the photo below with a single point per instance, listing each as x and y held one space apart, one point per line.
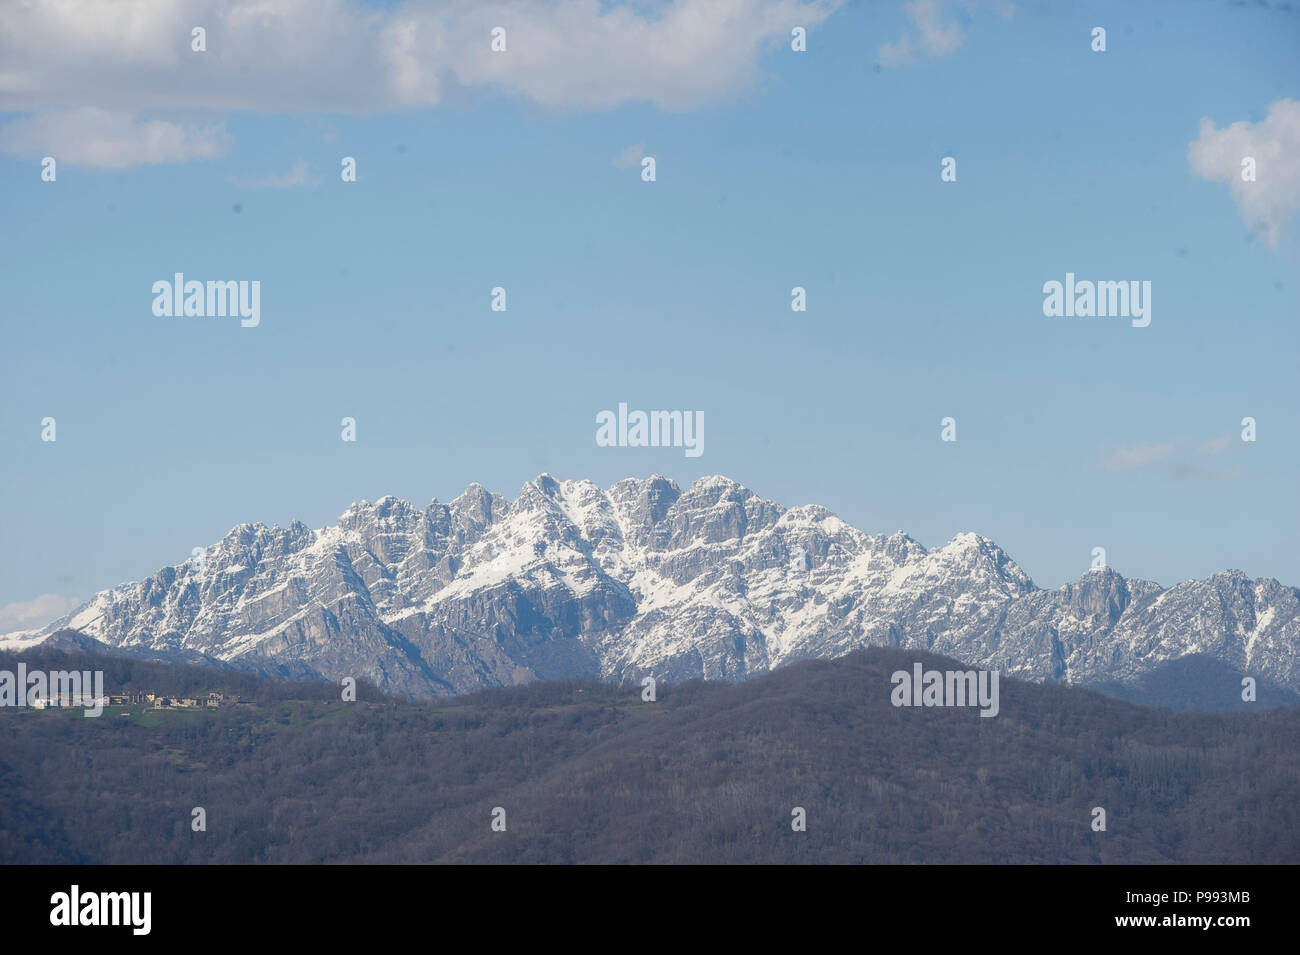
1198 473
1138 456
1180 461
298 176
1268 204
35 613
630 157
1215 445
935 30
110 140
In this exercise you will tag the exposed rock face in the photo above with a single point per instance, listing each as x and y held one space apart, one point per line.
646 578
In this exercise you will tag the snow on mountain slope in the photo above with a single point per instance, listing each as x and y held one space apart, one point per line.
647 578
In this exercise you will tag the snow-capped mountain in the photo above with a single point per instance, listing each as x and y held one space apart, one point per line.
645 578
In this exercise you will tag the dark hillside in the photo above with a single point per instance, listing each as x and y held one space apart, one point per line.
588 773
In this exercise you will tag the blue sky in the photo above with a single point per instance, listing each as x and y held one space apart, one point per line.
774 169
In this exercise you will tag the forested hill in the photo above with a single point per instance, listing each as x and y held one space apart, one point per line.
586 772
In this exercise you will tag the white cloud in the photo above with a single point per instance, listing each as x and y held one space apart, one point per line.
935 31
630 157
97 137
590 54
1139 456
341 56
299 175
1268 204
89 70
36 613
1179 461
935 34
1215 445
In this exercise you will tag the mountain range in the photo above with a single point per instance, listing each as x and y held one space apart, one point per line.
645 578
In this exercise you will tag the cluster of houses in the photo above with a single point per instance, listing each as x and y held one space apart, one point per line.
71 702
157 701
212 701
